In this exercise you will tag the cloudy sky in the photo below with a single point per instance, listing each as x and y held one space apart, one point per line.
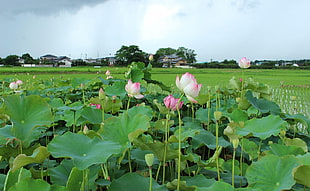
215 29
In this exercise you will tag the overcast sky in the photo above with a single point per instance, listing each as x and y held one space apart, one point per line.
215 29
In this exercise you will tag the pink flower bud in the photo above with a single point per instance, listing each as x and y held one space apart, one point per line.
173 103
19 82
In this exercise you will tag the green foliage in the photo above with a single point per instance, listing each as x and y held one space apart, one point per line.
83 150
53 137
272 173
30 115
11 60
128 54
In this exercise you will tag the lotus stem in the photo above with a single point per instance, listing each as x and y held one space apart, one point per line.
179 153
233 169
150 172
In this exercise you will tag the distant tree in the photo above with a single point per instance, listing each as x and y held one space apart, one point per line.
1 61
11 60
78 62
164 51
128 54
188 54
28 59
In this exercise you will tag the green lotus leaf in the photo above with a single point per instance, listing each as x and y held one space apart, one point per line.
302 175
2 180
199 181
157 148
263 105
272 173
263 127
28 115
238 115
282 150
124 128
299 118
59 175
208 139
296 142
38 156
76 82
13 177
134 182
83 150
92 115
117 89
190 129
75 179
304 159
36 185
217 186
251 148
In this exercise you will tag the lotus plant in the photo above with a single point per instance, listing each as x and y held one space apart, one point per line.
172 104
189 86
243 63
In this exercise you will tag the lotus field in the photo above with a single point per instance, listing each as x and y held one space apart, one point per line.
137 134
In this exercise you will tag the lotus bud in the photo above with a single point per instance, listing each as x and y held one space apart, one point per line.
149 159
85 130
217 115
151 57
282 133
235 143
101 94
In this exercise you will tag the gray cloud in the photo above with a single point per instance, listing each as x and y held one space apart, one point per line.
45 7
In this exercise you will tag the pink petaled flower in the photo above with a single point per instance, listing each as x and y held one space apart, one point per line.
173 103
188 84
151 57
13 85
98 106
244 63
19 82
133 89
108 73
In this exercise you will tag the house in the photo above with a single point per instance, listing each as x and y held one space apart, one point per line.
64 61
173 60
56 61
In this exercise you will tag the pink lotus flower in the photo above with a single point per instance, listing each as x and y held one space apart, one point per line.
244 63
98 106
19 82
133 89
108 73
151 57
173 103
13 85
188 84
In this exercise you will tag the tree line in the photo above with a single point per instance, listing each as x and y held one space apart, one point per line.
124 57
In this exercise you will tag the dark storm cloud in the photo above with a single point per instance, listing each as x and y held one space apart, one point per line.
44 7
